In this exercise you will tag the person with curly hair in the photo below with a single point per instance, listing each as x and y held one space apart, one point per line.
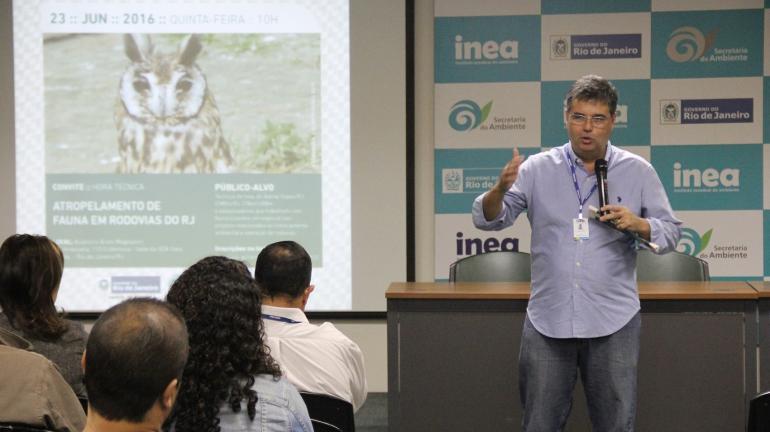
230 382
31 268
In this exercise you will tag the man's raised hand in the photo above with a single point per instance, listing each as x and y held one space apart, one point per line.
510 172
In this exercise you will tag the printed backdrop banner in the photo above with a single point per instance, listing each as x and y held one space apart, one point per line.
707 44
706 111
487 115
632 122
617 45
490 49
693 79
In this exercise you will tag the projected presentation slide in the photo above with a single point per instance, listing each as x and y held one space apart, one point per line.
150 135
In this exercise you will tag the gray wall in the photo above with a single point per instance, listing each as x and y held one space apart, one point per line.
8 200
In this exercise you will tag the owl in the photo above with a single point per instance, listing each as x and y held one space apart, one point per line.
166 117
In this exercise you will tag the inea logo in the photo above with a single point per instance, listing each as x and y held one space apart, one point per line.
474 246
487 50
710 177
467 115
688 44
693 243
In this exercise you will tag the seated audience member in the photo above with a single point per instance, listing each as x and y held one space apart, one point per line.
30 271
133 363
316 359
230 382
33 391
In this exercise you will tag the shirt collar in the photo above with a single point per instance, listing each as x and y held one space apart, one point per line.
578 162
293 314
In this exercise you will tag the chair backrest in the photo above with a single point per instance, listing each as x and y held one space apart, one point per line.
672 266
759 413
328 413
503 266
83 403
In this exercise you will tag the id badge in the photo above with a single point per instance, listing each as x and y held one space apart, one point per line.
580 228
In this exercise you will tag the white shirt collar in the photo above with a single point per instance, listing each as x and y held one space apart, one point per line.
293 314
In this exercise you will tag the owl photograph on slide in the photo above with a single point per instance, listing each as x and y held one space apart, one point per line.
167 119
167 103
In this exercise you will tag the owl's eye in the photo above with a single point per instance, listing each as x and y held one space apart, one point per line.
141 85
183 86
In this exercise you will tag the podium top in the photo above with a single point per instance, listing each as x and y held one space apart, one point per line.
762 288
729 290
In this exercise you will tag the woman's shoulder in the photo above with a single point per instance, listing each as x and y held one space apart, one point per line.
75 331
72 340
277 390
280 409
266 384
283 396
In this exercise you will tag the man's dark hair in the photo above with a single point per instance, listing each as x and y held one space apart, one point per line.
283 268
592 88
134 351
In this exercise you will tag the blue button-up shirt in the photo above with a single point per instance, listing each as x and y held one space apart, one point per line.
583 288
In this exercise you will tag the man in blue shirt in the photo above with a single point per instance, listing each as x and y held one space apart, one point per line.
583 312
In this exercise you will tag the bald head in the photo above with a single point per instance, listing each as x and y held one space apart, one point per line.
134 351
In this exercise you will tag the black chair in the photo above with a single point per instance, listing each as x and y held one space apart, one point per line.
329 414
503 266
672 266
20 427
83 403
759 413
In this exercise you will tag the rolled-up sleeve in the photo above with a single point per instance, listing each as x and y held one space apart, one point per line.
665 228
514 202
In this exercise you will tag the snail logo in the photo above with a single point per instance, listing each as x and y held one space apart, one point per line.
466 115
688 44
693 243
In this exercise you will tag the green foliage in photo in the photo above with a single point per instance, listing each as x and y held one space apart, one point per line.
282 149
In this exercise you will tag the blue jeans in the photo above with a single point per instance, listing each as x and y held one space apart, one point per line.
548 371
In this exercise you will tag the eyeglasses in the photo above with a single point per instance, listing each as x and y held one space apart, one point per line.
598 121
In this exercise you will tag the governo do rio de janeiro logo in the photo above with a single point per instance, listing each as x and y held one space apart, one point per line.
693 243
466 115
688 44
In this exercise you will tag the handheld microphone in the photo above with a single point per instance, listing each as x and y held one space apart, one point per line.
600 167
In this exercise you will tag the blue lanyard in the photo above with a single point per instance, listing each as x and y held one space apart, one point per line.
581 201
280 319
